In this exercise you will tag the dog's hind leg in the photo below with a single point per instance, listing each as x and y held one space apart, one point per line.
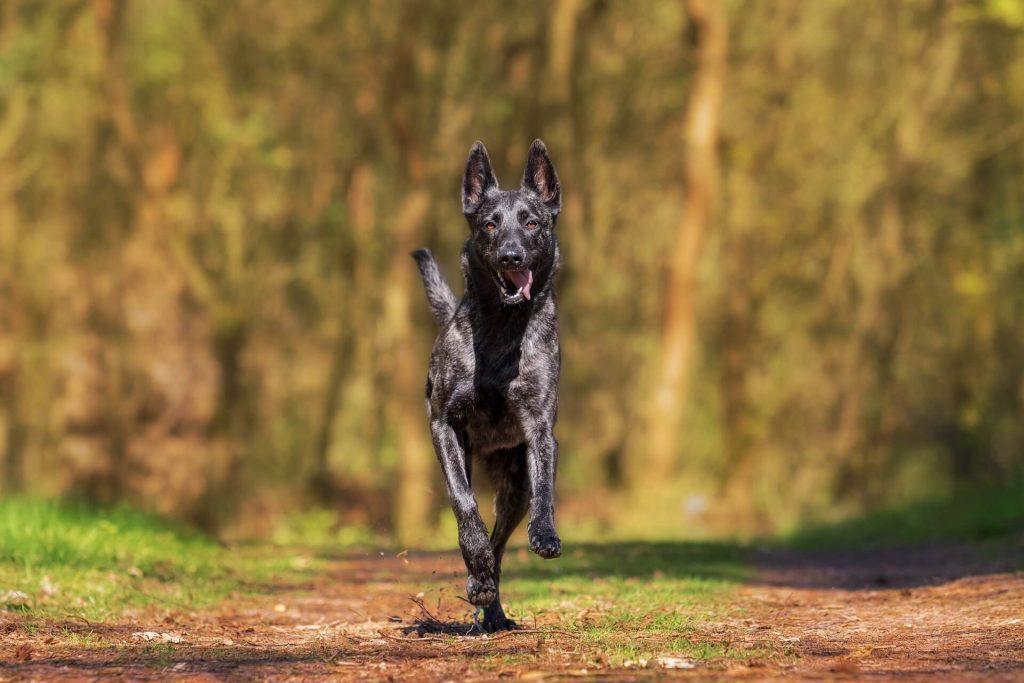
481 588
511 501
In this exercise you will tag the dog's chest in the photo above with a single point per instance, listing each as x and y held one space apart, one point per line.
493 421
514 376
488 432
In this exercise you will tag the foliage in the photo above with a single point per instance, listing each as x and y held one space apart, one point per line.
980 515
75 559
207 208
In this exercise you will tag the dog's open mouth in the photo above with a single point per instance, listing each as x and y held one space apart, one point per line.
515 284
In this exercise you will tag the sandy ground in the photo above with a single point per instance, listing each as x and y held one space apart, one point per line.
952 612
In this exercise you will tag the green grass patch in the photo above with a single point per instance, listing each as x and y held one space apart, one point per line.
321 529
976 515
633 600
43 534
71 559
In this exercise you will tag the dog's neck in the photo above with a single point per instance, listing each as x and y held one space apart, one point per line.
498 328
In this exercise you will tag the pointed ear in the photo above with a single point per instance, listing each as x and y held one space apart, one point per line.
541 179
478 179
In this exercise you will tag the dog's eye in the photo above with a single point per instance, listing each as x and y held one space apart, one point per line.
489 226
531 224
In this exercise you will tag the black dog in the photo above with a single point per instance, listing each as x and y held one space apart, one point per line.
492 386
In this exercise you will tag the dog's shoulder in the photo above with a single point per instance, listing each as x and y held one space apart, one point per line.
451 361
456 335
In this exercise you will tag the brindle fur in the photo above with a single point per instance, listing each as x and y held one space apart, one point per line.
492 384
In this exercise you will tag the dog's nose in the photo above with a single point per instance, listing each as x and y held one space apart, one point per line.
510 257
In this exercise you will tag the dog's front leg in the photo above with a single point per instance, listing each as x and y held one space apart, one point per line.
541 457
473 540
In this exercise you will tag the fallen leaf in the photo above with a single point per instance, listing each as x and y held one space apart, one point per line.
47 587
155 637
845 666
15 600
23 653
670 662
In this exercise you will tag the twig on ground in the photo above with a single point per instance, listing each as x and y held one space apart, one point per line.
415 640
534 631
430 618
79 617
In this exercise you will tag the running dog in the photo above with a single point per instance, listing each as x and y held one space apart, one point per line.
492 383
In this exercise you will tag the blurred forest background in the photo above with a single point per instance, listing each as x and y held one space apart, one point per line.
793 234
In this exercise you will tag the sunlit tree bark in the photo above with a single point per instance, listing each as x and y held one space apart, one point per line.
669 393
413 495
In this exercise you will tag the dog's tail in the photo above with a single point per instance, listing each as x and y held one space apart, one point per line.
439 294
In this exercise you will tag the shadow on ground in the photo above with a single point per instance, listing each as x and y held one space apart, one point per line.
971 533
868 569
256 662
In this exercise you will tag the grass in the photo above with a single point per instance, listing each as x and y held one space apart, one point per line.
630 601
974 515
622 602
75 560
639 600
42 534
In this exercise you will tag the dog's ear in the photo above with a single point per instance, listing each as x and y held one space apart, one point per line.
479 178
541 179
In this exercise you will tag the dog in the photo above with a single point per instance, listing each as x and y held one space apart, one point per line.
492 382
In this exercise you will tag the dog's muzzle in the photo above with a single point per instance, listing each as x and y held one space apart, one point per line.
515 285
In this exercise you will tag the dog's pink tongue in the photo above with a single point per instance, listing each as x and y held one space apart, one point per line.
522 279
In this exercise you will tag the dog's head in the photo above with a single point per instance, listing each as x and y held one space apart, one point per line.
512 231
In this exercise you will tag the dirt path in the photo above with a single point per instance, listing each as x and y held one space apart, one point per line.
945 611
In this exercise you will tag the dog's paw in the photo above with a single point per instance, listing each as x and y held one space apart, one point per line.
498 623
495 620
481 591
546 544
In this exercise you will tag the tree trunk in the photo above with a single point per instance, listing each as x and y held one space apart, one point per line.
117 133
14 434
678 339
412 503
361 220
736 342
